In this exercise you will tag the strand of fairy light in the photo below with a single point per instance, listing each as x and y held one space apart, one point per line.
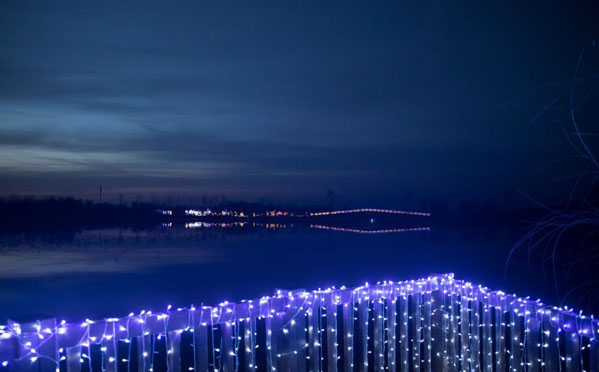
370 210
522 303
363 231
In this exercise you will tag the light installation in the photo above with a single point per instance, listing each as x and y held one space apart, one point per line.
364 231
436 323
371 210
201 224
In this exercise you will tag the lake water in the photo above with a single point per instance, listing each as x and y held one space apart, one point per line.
112 272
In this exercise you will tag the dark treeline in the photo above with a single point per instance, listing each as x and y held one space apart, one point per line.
36 213
32 213
59 219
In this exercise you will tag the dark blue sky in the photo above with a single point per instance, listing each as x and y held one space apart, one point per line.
284 99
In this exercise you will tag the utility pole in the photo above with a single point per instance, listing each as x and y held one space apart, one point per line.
100 194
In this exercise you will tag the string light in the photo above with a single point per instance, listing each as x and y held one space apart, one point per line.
435 323
370 210
362 231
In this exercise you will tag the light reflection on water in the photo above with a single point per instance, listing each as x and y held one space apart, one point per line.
113 271
104 251
127 250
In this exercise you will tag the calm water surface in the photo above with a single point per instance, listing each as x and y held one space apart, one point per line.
111 272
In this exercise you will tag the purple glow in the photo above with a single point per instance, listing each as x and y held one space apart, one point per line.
445 314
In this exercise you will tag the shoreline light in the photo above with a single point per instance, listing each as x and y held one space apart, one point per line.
371 210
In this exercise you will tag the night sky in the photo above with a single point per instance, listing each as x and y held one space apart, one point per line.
285 99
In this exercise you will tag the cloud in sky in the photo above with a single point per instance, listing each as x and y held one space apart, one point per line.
274 99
